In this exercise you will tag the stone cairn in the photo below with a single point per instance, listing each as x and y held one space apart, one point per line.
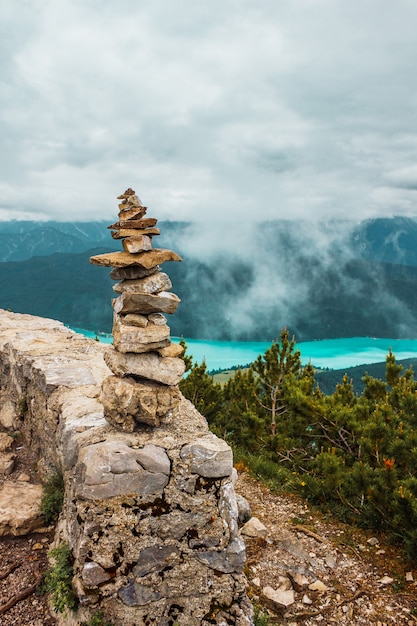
141 336
156 538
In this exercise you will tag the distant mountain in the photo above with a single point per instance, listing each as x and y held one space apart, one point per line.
321 281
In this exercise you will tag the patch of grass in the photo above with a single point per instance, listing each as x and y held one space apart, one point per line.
260 617
53 497
57 581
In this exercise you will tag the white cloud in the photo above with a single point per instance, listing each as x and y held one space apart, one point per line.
221 110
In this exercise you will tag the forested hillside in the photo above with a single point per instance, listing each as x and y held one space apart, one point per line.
333 280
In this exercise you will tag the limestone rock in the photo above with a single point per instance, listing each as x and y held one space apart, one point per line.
143 259
232 559
149 284
243 506
209 457
127 403
318 585
148 365
132 272
6 442
155 559
93 574
173 350
133 223
157 318
137 243
20 508
128 338
163 302
278 598
254 528
112 468
136 319
7 460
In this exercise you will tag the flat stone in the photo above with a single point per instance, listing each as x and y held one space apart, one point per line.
318 585
112 468
209 457
148 365
157 318
135 594
163 302
254 528
278 598
149 284
143 259
232 559
137 243
93 574
132 272
127 403
243 506
155 559
146 222
20 512
136 319
127 338
173 350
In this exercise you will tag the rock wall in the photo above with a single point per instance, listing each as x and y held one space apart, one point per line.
150 516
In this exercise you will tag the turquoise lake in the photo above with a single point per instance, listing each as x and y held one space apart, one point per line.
331 353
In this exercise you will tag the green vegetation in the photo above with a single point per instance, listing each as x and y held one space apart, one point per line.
58 579
355 455
97 619
53 497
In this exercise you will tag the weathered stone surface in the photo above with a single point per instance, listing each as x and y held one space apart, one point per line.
132 272
127 338
128 403
6 442
228 508
137 243
136 319
157 318
155 559
136 594
112 468
7 460
143 259
20 508
7 414
254 528
279 599
149 284
232 559
209 457
243 506
148 365
163 302
93 574
173 350
146 222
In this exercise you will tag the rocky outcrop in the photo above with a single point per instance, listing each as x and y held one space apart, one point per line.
150 512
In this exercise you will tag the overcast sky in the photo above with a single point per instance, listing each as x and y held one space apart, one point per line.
219 110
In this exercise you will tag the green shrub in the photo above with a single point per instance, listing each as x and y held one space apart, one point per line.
57 581
53 497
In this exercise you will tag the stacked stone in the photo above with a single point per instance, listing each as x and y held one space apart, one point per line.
142 349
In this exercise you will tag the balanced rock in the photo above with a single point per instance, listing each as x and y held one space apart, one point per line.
148 365
142 259
128 403
149 284
127 338
137 243
132 272
162 302
174 350
147 222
